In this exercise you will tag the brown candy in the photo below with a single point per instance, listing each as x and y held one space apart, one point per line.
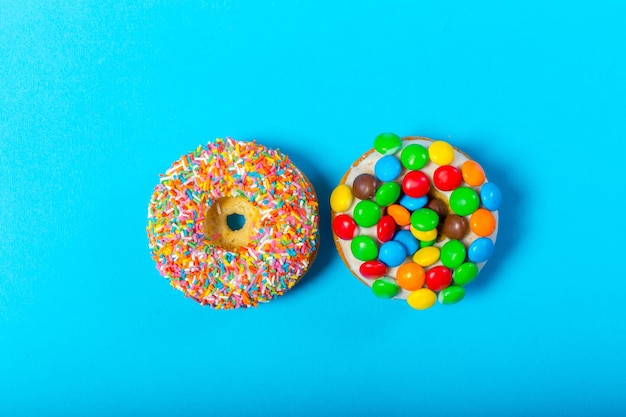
364 186
439 207
455 227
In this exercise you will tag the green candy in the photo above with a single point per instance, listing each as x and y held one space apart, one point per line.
452 254
414 157
366 213
424 219
452 294
364 248
385 288
465 273
426 243
387 143
388 193
464 201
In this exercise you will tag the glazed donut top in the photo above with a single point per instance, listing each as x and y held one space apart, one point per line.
280 248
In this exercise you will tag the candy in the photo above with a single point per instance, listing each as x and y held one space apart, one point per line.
422 299
410 276
464 201
414 156
424 219
426 256
392 253
400 214
452 253
491 196
465 273
413 203
447 178
373 269
341 198
473 173
366 213
451 295
345 227
415 184
388 193
441 153
426 243
387 143
410 243
438 206
364 248
364 186
480 250
482 222
438 278
455 226
386 228
387 168
385 288
427 236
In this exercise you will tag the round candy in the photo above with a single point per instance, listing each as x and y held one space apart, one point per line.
455 226
386 228
413 203
465 273
387 143
364 186
427 236
414 156
366 213
424 219
388 193
491 196
427 243
426 256
410 243
482 222
387 168
422 299
341 198
438 278
452 253
464 201
415 184
392 253
441 153
438 206
400 214
373 269
451 295
345 227
385 288
364 248
447 178
473 173
410 276
480 250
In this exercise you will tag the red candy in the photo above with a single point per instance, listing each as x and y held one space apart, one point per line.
416 184
438 278
386 228
344 227
373 269
447 178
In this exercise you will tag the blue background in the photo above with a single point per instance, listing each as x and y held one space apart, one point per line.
99 97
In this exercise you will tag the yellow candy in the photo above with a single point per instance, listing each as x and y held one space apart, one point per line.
426 256
426 236
341 198
441 153
422 299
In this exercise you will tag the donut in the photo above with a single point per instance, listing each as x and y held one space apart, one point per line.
415 219
233 224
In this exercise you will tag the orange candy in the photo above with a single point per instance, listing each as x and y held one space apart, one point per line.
473 173
482 222
400 215
410 276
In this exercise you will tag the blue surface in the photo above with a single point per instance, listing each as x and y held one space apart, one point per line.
98 97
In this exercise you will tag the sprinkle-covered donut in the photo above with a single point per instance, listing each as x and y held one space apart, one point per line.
233 224
415 219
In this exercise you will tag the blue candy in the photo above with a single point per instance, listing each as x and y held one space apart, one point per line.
491 196
413 203
387 168
392 253
480 250
410 242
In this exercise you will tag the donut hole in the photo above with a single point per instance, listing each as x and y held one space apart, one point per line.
230 222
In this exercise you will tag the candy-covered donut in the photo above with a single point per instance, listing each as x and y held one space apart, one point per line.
233 224
415 219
